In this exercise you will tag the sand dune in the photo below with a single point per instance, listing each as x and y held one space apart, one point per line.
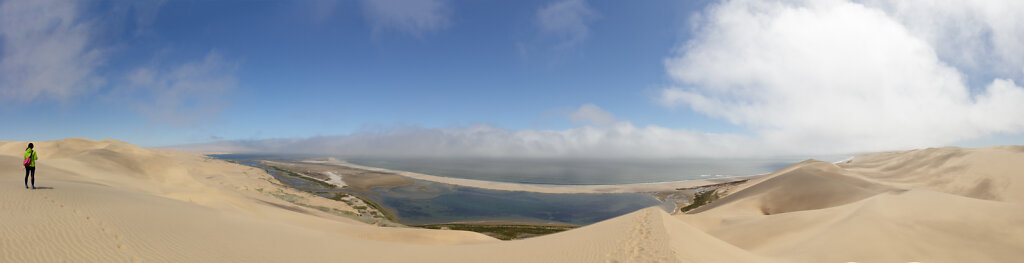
990 173
925 205
109 201
181 207
821 185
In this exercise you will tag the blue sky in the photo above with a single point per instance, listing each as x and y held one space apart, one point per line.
566 77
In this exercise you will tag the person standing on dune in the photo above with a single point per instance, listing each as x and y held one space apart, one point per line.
30 165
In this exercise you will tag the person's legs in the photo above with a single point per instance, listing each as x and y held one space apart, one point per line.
27 170
33 169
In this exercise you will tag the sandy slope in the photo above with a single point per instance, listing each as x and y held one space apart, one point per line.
109 201
991 173
933 205
175 204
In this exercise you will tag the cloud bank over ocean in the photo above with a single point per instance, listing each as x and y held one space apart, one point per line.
619 140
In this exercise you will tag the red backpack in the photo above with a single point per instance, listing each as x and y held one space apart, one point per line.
28 160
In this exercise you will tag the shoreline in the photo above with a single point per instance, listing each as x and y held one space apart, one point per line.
547 188
503 223
504 231
319 172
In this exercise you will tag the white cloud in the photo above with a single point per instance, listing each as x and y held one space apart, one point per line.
602 136
619 140
414 17
180 94
46 51
975 36
566 21
837 76
591 114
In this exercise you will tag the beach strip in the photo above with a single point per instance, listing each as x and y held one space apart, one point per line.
547 188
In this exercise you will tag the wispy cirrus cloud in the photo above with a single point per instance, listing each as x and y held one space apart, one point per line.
50 52
413 17
46 51
566 22
180 94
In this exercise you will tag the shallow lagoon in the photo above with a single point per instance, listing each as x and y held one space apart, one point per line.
425 202
435 203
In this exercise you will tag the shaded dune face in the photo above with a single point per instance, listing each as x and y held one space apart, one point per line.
812 186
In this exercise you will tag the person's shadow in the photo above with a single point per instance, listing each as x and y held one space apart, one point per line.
43 187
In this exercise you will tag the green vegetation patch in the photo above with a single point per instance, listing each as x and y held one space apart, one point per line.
387 214
505 232
291 198
382 212
701 198
304 178
338 197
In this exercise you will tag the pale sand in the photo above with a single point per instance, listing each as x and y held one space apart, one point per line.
546 188
114 202
933 205
335 179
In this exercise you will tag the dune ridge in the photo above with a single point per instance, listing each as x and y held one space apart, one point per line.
108 200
